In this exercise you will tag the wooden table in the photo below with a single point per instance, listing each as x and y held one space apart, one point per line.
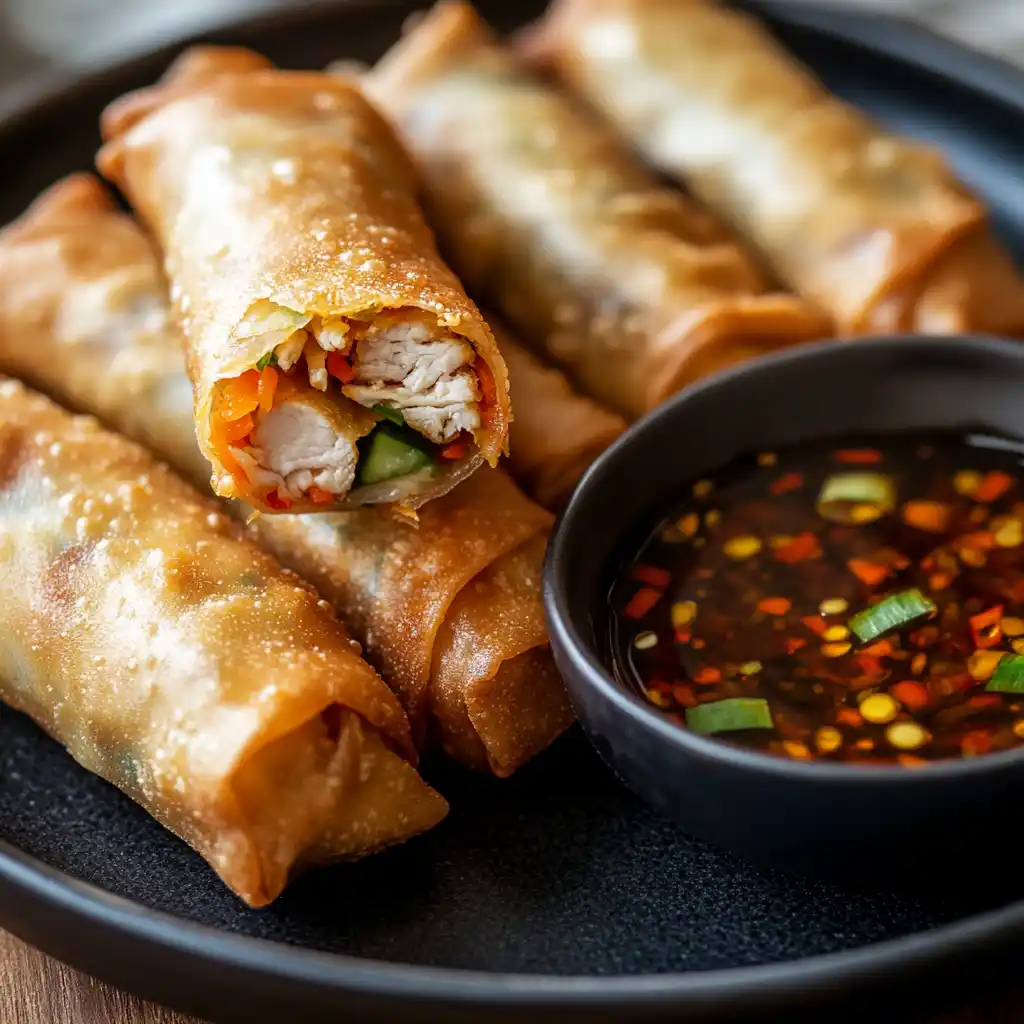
35 989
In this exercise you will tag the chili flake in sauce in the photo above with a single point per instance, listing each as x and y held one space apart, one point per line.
859 602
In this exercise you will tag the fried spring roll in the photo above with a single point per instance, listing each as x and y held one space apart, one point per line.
175 659
623 282
855 219
557 432
423 601
296 252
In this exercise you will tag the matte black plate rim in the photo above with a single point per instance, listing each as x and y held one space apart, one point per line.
394 985
733 987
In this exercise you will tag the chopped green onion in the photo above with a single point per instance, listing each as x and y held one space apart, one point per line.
850 498
386 412
270 359
730 715
894 612
1008 676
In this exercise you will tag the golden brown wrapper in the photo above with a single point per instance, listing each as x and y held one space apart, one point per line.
621 281
174 658
557 432
395 585
277 196
842 212
397 588
973 288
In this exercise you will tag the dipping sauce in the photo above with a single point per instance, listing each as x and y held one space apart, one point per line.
858 602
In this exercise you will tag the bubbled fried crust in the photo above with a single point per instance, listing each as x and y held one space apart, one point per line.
318 215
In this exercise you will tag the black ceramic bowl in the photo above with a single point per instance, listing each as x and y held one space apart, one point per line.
815 817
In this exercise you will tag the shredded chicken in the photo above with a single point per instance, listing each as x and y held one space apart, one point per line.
295 448
403 365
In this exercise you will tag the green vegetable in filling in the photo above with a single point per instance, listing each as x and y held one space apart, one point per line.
390 451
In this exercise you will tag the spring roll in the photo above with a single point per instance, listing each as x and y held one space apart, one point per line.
296 253
850 216
423 601
556 433
622 282
181 663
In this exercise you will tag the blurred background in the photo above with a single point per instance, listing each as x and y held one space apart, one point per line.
41 38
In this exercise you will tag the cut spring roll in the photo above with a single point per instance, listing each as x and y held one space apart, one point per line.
335 359
424 601
174 658
624 283
557 432
854 218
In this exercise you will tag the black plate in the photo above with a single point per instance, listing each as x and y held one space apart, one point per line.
556 891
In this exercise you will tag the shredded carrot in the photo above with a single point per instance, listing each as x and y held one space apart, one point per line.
775 605
985 627
847 716
642 602
707 675
455 450
814 624
858 456
931 516
801 548
867 572
267 388
879 649
222 446
239 396
653 575
319 496
993 486
339 366
238 429
911 695
786 483
486 378
793 644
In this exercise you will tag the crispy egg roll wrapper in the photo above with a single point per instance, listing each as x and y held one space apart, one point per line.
974 288
395 585
545 213
180 662
842 212
556 433
283 203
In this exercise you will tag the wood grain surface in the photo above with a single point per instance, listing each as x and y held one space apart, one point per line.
36 989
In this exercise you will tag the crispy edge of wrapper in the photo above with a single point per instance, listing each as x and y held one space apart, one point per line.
490 711
557 432
732 330
975 287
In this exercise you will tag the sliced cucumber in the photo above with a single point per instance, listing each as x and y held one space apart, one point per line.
388 452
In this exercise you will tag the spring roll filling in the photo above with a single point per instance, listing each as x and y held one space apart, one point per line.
424 385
